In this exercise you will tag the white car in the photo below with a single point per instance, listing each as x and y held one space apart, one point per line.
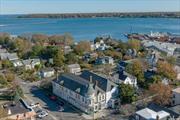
32 105
43 114
61 109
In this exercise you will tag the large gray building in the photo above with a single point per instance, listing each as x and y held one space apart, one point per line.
89 92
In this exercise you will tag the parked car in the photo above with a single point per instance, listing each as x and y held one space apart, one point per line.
42 114
61 109
32 105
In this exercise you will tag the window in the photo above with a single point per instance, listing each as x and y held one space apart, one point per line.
96 107
100 98
103 97
174 96
78 96
85 102
89 101
83 99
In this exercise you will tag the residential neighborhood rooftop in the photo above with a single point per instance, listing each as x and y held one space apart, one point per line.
15 108
74 66
149 114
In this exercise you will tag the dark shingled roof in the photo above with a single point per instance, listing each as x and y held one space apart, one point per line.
16 108
158 108
73 82
122 77
103 83
82 85
123 63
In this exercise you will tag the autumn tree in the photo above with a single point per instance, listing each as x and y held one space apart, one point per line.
9 76
162 93
59 58
22 46
4 38
71 58
68 39
127 93
6 64
166 70
54 39
3 112
36 51
3 81
83 46
123 46
134 44
136 69
39 39
114 54
171 60
156 79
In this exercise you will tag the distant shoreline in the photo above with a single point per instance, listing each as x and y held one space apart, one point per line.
101 15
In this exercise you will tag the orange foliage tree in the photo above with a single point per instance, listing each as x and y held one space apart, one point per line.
162 93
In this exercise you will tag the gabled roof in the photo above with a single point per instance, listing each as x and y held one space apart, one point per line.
74 83
74 66
12 56
158 108
30 61
47 70
123 63
122 77
103 83
149 114
82 83
17 108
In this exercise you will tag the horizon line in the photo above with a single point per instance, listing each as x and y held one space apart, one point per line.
92 12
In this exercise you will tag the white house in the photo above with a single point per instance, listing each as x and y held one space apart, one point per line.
125 78
148 114
176 96
2 50
17 63
177 69
99 45
47 72
9 56
104 60
31 63
89 92
74 68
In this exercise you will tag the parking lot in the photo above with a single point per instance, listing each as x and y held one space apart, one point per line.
35 95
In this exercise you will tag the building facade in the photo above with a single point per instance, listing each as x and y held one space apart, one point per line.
74 68
176 96
89 92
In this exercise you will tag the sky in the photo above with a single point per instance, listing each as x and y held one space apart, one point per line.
86 6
